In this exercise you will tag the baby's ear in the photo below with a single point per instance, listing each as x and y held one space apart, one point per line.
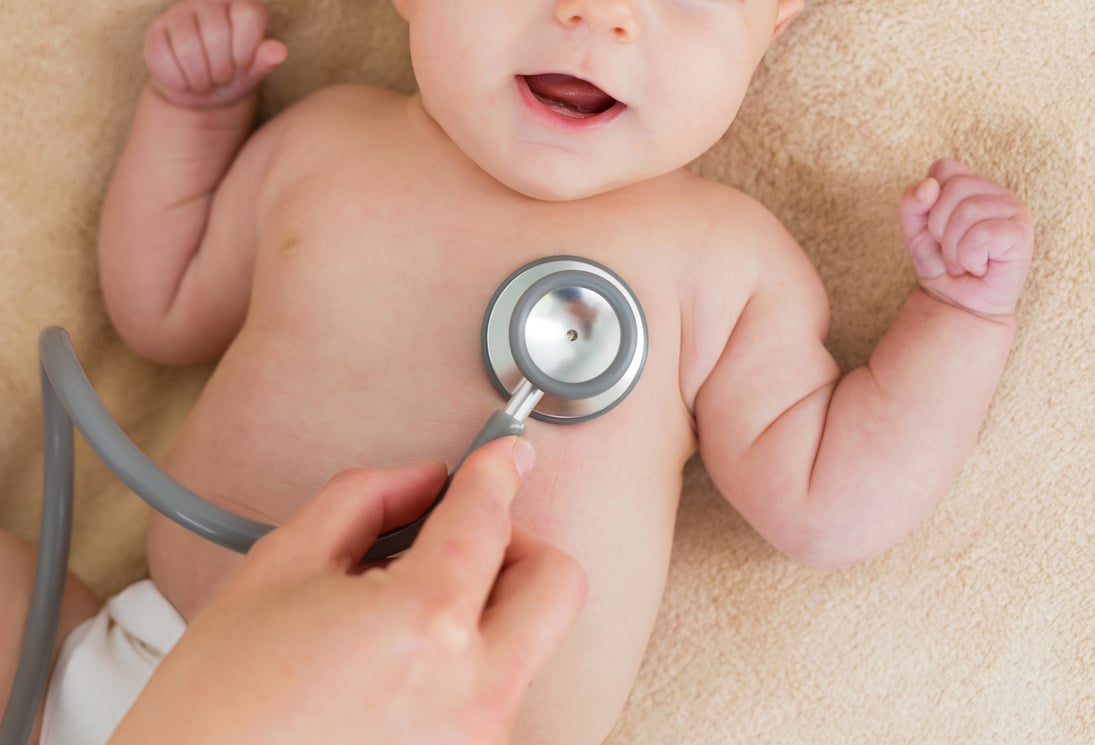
785 13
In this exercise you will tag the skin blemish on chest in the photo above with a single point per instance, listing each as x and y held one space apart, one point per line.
290 244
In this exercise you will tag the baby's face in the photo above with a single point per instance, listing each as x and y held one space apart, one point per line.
561 99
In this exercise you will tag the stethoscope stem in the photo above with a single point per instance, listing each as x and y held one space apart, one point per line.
523 401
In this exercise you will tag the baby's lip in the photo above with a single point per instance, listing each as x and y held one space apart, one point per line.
570 95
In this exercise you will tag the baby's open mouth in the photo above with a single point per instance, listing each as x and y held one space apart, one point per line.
568 95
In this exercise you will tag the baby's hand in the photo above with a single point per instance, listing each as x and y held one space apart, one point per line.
208 53
970 239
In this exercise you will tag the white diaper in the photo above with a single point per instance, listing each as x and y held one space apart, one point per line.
105 662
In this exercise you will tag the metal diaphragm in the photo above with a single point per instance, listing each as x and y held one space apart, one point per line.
573 329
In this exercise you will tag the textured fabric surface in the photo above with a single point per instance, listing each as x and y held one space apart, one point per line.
979 628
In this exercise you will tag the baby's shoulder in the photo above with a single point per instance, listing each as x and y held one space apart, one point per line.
740 256
732 231
345 106
322 131
348 98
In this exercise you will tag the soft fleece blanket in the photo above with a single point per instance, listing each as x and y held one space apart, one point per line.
979 628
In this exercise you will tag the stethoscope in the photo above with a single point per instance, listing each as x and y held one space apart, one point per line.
564 340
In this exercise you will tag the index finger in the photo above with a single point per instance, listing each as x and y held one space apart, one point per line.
457 556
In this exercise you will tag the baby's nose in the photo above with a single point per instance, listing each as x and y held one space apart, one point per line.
616 16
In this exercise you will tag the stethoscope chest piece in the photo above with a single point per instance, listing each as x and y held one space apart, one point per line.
570 327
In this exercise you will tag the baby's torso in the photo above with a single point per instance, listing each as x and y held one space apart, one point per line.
362 348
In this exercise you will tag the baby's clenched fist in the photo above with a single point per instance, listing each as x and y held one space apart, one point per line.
970 239
210 53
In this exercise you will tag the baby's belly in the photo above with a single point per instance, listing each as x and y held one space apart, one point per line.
276 422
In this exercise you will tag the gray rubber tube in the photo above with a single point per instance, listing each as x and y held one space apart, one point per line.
67 398
44 611
163 493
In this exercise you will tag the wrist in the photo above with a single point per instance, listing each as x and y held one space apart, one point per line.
207 105
942 302
209 131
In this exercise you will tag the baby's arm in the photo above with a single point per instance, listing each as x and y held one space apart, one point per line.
175 274
835 469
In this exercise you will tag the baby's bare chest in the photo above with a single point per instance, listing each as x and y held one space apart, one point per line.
362 344
398 281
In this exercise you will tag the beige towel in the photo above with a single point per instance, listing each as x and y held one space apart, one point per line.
979 628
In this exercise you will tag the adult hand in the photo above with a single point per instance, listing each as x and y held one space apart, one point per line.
438 646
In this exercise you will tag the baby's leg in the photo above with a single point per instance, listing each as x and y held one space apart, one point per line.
17 561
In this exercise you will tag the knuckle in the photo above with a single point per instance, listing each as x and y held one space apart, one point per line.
250 12
963 183
980 237
945 169
461 573
179 15
495 481
154 45
973 208
493 512
187 45
1023 216
438 602
268 547
351 479
436 629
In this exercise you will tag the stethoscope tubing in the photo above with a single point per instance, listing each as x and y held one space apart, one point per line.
68 399
44 611
68 382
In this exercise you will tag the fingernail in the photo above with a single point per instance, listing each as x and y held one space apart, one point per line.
523 456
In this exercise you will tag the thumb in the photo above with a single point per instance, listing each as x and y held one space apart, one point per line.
268 56
338 525
916 205
915 208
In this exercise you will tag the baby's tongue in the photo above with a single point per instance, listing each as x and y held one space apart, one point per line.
576 95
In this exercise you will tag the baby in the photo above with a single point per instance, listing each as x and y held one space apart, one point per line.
339 259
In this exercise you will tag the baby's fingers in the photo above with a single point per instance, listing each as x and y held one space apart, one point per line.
215 30
159 58
993 240
956 191
970 235
944 169
268 56
249 21
915 206
185 42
